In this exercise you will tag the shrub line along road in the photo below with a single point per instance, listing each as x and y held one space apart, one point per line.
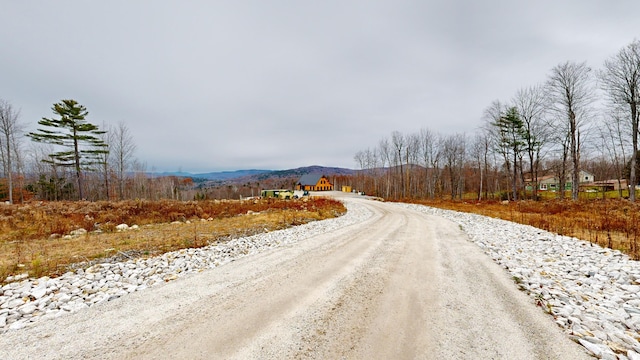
398 285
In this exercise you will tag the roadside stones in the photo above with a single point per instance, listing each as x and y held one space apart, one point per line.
39 291
78 232
593 293
125 227
24 301
27 309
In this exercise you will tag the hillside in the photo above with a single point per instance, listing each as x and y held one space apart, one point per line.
298 172
259 175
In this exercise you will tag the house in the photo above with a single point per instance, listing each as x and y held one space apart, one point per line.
552 183
314 182
611 184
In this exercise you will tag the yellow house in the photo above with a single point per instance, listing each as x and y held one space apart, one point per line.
314 182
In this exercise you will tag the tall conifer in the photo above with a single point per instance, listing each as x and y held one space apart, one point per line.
71 131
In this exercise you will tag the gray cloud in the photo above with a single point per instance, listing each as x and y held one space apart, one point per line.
252 84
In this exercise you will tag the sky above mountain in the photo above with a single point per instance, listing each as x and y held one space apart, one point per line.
222 85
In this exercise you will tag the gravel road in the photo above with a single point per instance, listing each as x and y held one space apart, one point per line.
400 284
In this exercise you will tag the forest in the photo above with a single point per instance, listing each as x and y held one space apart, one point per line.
577 119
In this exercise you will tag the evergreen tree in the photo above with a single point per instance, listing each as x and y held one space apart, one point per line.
79 138
512 138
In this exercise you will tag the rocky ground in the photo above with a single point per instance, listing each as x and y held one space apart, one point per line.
592 293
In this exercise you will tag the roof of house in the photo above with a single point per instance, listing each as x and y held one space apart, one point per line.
310 179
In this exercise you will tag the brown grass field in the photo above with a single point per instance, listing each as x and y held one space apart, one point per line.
35 237
611 223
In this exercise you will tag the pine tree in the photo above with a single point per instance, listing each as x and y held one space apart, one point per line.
512 138
72 132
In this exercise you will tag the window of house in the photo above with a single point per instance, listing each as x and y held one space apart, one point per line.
543 186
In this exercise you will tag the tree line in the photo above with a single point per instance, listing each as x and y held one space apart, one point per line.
70 158
576 119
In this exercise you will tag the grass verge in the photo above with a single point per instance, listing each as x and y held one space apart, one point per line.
37 238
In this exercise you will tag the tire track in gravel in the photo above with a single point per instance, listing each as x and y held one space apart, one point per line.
291 282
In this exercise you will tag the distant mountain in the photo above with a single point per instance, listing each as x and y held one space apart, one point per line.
298 172
220 175
168 173
227 175
259 175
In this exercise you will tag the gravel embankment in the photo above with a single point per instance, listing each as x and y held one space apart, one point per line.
592 292
27 301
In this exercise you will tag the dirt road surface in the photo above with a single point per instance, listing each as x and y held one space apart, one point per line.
401 285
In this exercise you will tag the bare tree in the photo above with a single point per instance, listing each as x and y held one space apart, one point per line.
385 157
430 159
615 144
411 158
104 159
620 79
9 129
361 159
559 164
122 151
399 144
571 91
531 103
372 160
479 154
454 155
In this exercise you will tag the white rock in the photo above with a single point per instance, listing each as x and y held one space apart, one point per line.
632 355
13 304
78 232
122 227
40 291
17 325
74 306
27 309
64 298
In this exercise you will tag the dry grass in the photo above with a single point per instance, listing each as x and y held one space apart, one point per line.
610 223
34 237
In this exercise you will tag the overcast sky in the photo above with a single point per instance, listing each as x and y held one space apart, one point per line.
225 85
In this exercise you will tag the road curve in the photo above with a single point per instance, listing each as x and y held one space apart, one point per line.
399 285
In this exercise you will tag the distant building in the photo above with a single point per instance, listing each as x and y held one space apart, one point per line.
611 185
552 183
314 182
